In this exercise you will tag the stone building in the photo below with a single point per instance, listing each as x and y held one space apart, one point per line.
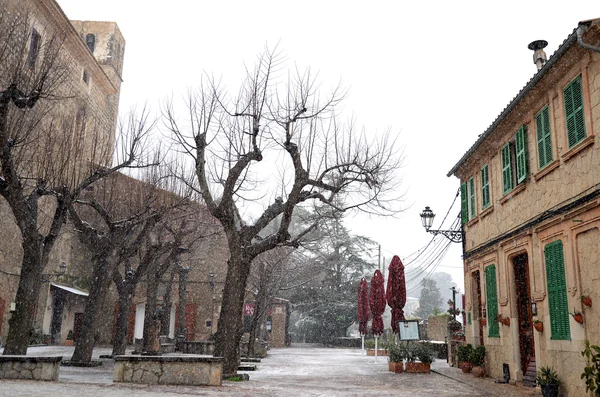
531 218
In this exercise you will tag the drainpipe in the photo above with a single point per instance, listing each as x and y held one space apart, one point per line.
580 31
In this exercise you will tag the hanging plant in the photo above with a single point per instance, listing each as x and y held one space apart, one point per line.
577 316
506 321
538 325
586 300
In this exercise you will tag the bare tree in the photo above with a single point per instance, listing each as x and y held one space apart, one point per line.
288 123
45 163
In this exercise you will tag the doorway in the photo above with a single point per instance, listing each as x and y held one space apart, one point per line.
523 293
476 303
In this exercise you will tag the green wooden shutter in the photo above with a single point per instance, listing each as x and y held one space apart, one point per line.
463 203
471 193
485 187
573 98
521 154
492 301
507 178
544 140
557 291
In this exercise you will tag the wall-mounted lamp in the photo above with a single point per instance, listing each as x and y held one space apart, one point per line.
533 308
456 236
484 312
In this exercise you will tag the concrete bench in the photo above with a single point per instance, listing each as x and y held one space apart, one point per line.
169 370
30 367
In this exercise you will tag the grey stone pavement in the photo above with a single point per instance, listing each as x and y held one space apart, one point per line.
297 372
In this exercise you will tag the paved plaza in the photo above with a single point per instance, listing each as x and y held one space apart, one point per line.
297 372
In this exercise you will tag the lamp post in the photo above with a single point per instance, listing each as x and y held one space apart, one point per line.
456 236
184 269
211 282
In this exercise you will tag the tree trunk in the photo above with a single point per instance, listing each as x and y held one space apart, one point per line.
86 339
150 317
260 311
230 325
28 292
165 321
122 322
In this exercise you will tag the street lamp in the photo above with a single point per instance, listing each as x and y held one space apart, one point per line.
62 268
456 236
211 282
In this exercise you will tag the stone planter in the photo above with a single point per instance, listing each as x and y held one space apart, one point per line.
396 367
418 368
478 371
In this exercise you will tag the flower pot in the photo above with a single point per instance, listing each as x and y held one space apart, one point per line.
380 352
587 301
465 366
478 371
538 326
549 390
506 321
482 322
578 318
418 368
396 367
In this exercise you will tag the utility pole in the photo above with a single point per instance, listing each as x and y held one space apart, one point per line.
379 258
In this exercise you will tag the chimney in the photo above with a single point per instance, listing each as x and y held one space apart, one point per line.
539 56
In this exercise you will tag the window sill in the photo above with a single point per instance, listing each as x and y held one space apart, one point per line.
486 211
520 187
473 221
546 170
587 141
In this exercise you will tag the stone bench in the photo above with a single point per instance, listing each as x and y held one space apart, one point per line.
197 347
30 367
169 370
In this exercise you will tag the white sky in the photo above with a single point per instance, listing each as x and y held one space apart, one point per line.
437 72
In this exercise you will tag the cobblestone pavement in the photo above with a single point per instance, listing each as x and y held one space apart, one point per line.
298 372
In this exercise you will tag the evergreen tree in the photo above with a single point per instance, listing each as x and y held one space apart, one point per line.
430 300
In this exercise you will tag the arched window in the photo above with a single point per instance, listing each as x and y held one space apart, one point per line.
90 40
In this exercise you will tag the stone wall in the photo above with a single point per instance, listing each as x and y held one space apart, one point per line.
31 368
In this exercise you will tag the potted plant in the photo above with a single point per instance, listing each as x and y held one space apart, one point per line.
463 354
396 356
506 321
548 380
454 325
477 359
586 300
538 325
424 355
591 373
577 316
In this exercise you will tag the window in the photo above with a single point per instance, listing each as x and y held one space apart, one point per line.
34 48
90 41
471 194
467 198
492 301
557 291
485 187
514 161
574 112
544 140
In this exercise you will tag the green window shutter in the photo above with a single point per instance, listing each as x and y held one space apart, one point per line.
521 154
492 301
573 98
463 203
544 139
507 178
557 291
471 193
485 187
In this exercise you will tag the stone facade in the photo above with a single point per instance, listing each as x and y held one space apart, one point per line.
512 241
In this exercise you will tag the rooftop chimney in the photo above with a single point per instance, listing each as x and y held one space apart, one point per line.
539 56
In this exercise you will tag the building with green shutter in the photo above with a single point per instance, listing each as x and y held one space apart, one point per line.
530 190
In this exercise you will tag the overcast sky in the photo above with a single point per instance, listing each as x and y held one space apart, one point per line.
437 73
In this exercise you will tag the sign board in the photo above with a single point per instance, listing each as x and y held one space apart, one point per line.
408 330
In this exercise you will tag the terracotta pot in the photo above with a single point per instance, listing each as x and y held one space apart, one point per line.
380 352
478 371
396 367
587 301
538 326
482 322
465 366
506 321
418 368
578 318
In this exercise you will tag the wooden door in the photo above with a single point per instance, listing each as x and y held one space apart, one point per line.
526 343
476 303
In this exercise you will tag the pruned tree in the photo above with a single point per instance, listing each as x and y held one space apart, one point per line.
287 124
46 158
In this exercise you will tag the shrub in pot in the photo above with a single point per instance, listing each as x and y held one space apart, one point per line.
548 380
463 354
477 359
396 356
424 354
